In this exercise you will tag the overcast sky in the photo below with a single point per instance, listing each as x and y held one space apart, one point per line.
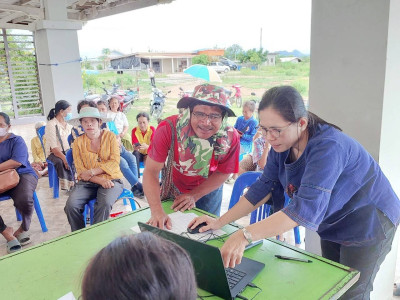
187 25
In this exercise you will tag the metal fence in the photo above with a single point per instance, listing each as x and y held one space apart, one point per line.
19 80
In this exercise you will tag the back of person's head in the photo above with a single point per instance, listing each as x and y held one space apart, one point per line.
60 105
142 266
288 102
81 103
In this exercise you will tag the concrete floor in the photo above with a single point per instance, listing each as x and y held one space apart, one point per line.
53 209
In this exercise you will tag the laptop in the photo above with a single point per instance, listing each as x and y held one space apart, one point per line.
211 275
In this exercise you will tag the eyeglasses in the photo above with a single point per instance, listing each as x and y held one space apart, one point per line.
274 132
202 116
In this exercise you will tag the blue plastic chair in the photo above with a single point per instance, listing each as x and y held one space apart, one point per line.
37 209
141 168
70 140
244 181
126 194
53 177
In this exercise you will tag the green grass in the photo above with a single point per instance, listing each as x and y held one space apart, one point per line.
257 81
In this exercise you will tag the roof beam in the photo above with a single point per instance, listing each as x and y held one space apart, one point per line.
11 17
23 2
119 6
29 26
33 11
20 19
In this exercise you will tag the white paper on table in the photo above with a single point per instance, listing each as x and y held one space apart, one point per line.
180 222
68 296
136 229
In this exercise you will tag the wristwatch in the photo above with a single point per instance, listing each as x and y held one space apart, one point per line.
247 235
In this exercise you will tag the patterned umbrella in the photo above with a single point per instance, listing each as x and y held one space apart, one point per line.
203 72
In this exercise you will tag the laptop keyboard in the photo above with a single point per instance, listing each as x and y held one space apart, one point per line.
234 276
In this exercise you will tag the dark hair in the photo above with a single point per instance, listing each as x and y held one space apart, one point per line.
60 105
290 105
250 104
102 102
6 118
109 100
85 102
143 114
142 266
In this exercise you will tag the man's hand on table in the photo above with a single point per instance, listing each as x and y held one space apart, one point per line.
184 202
160 219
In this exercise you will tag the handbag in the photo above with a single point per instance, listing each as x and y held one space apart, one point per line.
8 180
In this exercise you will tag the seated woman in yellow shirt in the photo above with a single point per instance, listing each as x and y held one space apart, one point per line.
39 163
96 158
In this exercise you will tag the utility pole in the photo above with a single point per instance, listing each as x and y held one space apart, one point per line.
260 38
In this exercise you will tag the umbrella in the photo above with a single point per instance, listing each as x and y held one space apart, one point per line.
203 72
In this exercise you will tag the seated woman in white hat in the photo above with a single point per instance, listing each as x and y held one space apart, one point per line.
96 158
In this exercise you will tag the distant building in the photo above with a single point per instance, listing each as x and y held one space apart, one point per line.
271 59
294 60
212 52
161 62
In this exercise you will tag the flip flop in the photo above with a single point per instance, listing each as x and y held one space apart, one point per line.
24 238
13 246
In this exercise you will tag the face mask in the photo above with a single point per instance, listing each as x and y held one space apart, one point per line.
68 117
103 115
3 131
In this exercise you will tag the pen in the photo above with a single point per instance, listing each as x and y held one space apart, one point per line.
293 258
253 244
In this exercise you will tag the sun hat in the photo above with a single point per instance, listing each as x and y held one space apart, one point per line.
88 112
208 94
40 124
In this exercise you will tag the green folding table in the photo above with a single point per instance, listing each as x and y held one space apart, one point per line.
55 268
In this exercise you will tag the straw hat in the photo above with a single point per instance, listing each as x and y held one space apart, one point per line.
88 112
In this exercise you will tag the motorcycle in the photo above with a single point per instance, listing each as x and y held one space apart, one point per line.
183 94
157 102
91 97
126 98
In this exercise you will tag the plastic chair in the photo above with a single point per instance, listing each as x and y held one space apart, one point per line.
244 181
37 209
141 168
126 194
53 177
70 140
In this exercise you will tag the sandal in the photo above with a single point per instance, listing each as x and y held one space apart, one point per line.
13 246
24 238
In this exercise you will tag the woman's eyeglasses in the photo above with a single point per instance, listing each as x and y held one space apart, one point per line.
202 116
274 132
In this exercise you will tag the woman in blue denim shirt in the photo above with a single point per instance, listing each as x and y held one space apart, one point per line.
337 190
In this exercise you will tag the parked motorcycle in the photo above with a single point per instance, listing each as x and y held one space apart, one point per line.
126 98
184 94
91 97
157 102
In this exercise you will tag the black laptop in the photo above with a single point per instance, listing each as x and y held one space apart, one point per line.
211 275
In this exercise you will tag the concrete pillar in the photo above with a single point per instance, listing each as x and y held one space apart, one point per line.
172 65
354 83
58 57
